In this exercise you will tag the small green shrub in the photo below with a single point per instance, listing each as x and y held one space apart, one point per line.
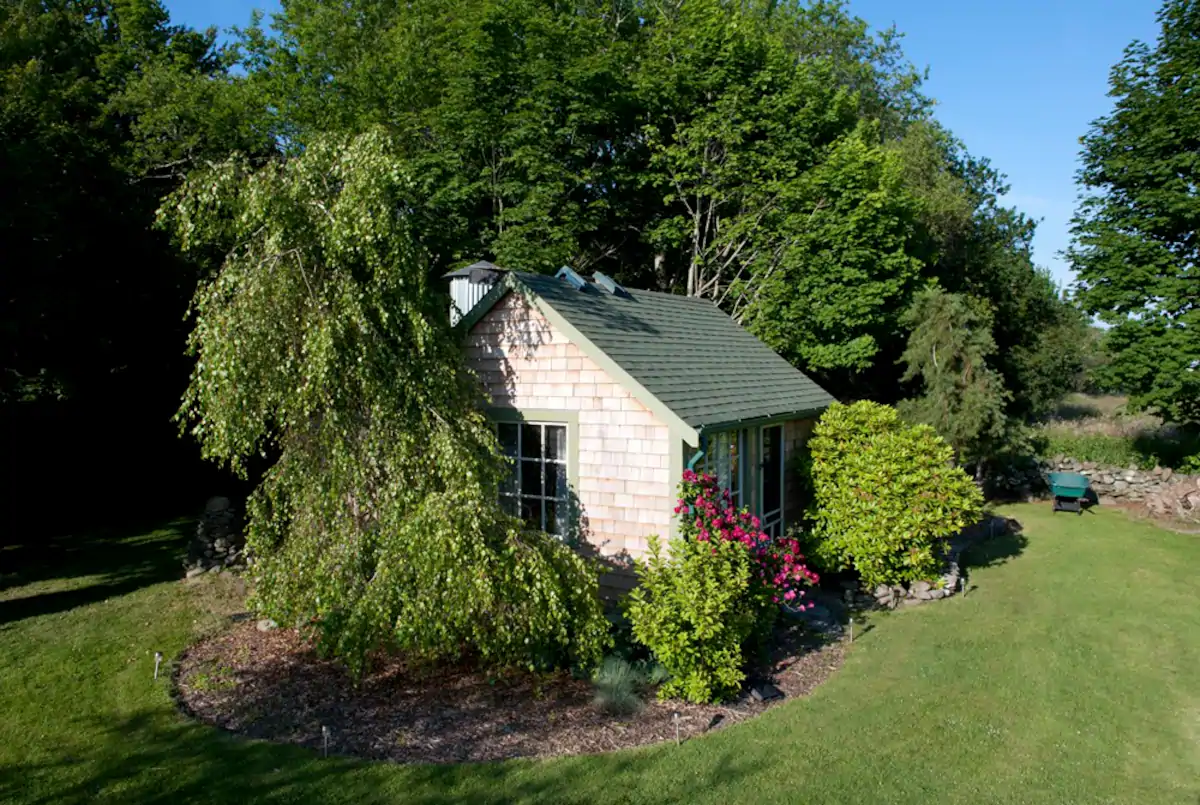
885 495
692 609
704 607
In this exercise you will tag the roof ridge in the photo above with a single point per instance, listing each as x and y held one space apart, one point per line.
681 356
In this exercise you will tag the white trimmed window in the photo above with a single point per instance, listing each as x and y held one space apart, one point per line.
536 489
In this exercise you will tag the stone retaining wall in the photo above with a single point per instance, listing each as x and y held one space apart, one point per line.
951 581
219 543
1161 491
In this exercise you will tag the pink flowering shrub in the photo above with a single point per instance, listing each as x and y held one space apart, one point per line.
706 513
708 603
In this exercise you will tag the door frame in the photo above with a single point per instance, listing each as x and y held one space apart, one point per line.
776 516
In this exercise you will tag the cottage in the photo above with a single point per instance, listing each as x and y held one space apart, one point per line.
603 395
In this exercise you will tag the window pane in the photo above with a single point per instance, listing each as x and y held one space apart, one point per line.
531 512
555 517
531 477
508 504
721 459
508 438
556 442
508 486
735 465
556 481
531 441
772 468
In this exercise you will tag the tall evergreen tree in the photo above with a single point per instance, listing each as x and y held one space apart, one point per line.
962 397
1137 231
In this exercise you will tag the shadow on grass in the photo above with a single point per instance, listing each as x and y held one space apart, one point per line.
151 759
120 563
995 550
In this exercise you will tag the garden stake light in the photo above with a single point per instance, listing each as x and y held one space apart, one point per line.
675 718
852 630
157 661
324 740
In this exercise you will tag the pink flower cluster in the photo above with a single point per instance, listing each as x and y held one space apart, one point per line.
707 513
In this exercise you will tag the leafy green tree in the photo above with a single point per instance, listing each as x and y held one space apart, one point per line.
320 340
1135 248
962 397
830 301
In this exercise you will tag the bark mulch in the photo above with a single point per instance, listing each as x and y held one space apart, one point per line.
272 686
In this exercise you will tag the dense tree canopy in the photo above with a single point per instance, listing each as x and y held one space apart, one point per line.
961 396
94 129
774 157
1136 247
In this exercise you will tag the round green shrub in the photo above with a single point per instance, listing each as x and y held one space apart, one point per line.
885 495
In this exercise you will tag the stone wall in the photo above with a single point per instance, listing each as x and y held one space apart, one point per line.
1161 491
219 543
624 452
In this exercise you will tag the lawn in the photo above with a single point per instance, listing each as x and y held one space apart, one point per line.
1070 673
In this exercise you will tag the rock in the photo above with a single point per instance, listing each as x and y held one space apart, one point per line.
1089 465
194 572
765 692
919 587
1120 488
937 593
215 570
217 504
1167 472
821 619
266 625
925 595
883 591
219 544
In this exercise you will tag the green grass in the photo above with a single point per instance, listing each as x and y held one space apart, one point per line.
1071 673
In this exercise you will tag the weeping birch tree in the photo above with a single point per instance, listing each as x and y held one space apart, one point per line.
319 344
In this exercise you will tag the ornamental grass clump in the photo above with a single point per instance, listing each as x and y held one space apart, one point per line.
707 605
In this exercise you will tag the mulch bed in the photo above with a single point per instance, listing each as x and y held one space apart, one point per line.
272 686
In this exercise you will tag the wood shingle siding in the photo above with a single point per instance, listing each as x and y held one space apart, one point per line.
624 486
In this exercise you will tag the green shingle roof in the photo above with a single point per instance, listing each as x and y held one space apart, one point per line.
693 358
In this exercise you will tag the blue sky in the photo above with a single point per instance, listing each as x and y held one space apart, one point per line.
1017 81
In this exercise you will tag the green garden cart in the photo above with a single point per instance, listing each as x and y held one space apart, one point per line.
1069 490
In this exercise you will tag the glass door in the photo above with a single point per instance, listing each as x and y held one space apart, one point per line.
771 490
